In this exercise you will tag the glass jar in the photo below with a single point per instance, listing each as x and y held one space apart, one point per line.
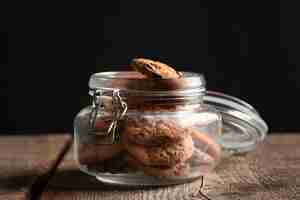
159 131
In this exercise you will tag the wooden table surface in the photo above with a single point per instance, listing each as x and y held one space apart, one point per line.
42 167
26 163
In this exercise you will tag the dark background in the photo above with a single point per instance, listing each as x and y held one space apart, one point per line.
244 49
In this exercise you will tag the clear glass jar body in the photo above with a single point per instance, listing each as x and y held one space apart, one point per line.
154 159
149 132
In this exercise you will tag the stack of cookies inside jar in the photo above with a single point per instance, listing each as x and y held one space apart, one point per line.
160 137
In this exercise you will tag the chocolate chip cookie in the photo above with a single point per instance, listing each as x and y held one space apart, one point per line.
206 144
149 131
92 153
154 69
168 154
179 169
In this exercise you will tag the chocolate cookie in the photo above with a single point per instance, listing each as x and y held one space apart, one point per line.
206 144
154 69
201 158
152 132
179 169
167 154
93 153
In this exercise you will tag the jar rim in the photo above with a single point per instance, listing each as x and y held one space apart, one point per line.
135 83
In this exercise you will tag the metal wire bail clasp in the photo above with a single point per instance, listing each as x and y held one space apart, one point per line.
96 101
119 109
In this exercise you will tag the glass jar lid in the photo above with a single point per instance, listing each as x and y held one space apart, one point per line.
243 127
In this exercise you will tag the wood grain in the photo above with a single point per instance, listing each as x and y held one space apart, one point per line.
24 160
69 184
270 172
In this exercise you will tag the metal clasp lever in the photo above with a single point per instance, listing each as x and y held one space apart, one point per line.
96 101
119 109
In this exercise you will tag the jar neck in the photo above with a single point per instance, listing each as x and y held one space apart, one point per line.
168 104
152 101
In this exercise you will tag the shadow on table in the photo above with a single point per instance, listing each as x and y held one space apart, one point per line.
75 179
17 181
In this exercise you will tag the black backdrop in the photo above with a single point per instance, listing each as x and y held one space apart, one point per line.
244 49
